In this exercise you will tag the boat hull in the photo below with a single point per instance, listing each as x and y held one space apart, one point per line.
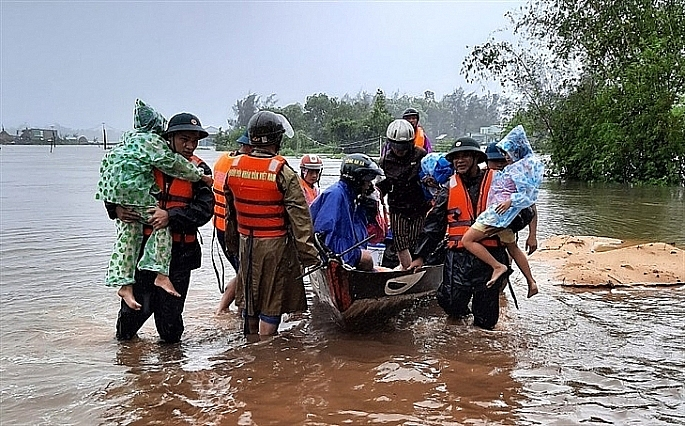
354 295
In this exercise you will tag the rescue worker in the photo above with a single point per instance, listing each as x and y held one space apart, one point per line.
220 170
183 206
274 234
311 169
402 185
420 138
455 209
340 214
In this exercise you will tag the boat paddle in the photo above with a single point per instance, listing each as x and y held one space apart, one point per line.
329 255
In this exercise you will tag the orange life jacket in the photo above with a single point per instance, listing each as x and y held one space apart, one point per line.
460 214
260 210
220 170
310 192
175 193
420 137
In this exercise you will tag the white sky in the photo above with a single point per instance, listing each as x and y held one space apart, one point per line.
81 63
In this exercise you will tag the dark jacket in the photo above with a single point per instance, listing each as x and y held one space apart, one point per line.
402 184
464 275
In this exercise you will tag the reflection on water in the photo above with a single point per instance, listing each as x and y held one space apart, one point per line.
566 357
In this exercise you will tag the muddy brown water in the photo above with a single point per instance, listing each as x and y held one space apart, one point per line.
566 357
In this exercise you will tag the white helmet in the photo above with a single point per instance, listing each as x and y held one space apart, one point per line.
400 130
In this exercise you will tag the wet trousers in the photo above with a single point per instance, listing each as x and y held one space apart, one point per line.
166 308
464 278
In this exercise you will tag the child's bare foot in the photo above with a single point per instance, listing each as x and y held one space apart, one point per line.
532 289
496 273
126 293
164 282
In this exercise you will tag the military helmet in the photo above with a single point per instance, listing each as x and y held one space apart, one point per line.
467 144
265 128
357 168
184 122
493 153
243 139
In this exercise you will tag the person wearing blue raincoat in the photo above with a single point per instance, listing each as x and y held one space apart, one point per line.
435 173
513 188
340 217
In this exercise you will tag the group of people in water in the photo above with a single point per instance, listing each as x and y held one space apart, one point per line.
440 209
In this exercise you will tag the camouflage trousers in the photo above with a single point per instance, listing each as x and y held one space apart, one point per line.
124 260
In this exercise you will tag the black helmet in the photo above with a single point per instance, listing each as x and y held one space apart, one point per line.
265 128
409 112
357 168
467 144
493 153
184 121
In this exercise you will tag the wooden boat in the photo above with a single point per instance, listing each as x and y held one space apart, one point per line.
354 295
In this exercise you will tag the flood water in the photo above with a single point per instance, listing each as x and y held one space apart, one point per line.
566 357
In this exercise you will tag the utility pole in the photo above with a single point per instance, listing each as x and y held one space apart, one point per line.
52 138
104 136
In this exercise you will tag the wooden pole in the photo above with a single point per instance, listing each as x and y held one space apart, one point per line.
104 137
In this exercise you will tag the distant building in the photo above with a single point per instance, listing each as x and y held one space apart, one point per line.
38 136
490 133
5 138
209 140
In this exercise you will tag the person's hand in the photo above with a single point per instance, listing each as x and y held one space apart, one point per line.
430 181
208 180
416 264
159 218
126 215
531 244
502 207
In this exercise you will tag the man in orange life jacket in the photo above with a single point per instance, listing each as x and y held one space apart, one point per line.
420 138
274 237
220 171
183 207
455 209
311 167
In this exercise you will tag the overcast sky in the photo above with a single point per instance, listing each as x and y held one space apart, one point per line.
81 63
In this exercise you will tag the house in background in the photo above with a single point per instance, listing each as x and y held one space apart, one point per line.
209 140
490 133
5 138
38 137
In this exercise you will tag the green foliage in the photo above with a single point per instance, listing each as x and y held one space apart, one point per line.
599 83
225 140
245 108
326 124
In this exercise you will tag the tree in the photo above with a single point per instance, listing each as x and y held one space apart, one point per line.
245 108
598 80
376 122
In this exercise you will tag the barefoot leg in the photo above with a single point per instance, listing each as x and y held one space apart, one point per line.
405 259
126 293
497 272
164 282
522 262
227 298
471 243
